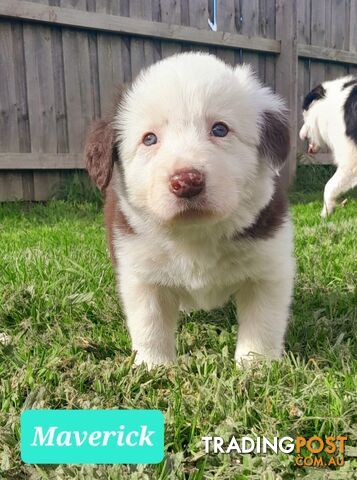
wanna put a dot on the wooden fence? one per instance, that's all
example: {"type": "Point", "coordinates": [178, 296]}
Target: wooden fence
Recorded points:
{"type": "Point", "coordinates": [60, 61]}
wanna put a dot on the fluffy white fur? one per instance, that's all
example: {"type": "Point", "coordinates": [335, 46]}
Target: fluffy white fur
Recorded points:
{"type": "Point", "coordinates": [324, 127]}
{"type": "Point", "coordinates": [183, 255]}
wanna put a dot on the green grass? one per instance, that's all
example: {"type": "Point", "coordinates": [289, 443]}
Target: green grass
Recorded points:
{"type": "Point", "coordinates": [69, 348]}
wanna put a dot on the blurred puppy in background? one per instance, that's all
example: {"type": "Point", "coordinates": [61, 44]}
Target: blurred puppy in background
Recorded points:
{"type": "Point", "coordinates": [194, 209]}
{"type": "Point", "coordinates": [330, 123]}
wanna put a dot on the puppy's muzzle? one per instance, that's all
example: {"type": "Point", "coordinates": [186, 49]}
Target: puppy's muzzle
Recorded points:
{"type": "Point", "coordinates": [187, 183]}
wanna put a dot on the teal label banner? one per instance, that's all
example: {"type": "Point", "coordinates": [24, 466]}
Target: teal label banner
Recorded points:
{"type": "Point", "coordinates": [92, 436]}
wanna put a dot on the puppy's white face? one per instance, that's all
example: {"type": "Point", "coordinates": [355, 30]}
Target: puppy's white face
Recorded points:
{"type": "Point", "coordinates": [321, 104]}
{"type": "Point", "coordinates": [310, 130]}
{"type": "Point", "coordinates": [189, 135]}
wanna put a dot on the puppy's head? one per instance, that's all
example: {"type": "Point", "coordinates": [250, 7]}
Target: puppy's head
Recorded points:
{"type": "Point", "coordinates": [310, 131]}
{"type": "Point", "coordinates": [194, 135]}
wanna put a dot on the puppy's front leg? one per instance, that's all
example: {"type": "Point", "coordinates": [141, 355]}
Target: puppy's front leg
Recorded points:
{"type": "Point", "coordinates": [152, 313]}
{"type": "Point", "coordinates": [263, 311]}
{"type": "Point", "coordinates": [342, 181]}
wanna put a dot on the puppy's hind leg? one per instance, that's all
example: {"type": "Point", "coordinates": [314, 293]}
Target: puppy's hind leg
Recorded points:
{"type": "Point", "coordinates": [152, 313]}
{"type": "Point", "coordinates": [342, 181]}
{"type": "Point", "coordinates": [263, 311]}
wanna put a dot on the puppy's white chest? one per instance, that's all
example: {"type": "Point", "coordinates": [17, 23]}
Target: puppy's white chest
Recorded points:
{"type": "Point", "coordinates": [204, 276]}
{"type": "Point", "coordinates": [205, 298]}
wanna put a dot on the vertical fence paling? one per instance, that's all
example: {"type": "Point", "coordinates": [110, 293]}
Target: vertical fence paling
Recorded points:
{"type": "Point", "coordinates": [286, 73]}
{"type": "Point", "coordinates": [59, 65]}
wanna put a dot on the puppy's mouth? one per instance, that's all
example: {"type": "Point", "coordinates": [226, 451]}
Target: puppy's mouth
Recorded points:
{"type": "Point", "coordinates": [193, 210]}
{"type": "Point", "coordinates": [312, 148]}
{"type": "Point", "coordinates": [193, 214]}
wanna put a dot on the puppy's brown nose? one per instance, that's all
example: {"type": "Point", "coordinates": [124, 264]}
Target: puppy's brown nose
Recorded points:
{"type": "Point", "coordinates": [187, 183]}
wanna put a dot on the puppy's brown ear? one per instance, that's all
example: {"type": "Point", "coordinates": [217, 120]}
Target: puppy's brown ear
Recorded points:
{"type": "Point", "coordinates": [274, 138]}
{"type": "Point", "coordinates": [100, 153]}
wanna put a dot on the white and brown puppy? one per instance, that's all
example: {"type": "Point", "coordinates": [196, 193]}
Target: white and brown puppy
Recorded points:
{"type": "Point", "coordinates": [194, 210]}
{"type": "Point", "coordinates": [330, 123]}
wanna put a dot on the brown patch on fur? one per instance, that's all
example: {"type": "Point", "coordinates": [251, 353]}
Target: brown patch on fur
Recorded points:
{"type": "Point", "coordinates": [100, 151]}
{"type": "Point", "coordinates": [274, 138]}
{"type": "Point", "coordinates": [271, 218]}
{"type": "Point", "coordinates": [114, 218]}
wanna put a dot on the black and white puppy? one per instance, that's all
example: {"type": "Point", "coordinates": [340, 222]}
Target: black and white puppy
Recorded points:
{"type": "Point", "coordinates": [330, 122]}
{"type": "Point", "coordinates": [194, 210]}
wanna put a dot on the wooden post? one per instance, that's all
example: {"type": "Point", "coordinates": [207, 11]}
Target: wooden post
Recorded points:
{"type": "Point", "coordinates": [286, 73]}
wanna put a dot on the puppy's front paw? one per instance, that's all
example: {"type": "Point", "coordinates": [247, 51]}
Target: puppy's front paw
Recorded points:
{"type": "Point", "coordinates": [245, 361]}
{"type": "Point", "coordinates": [327, 210]}
{"type": "Point", "coordinates": [246, 357]}
{"type": "Point", "coordinates": [324, 212]}
{"type": "Point", "coordinates": [153, 359]}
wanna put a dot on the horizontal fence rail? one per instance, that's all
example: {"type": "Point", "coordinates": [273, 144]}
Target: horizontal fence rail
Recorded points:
{"type": "Point", "coordinates": [316, 159]}
{"type": "Point", "coordinates": [327, 54]}
{"type": "Point", "coordinates": [41, 161]}
{"type": "Point", "coordinates": [22, 10]}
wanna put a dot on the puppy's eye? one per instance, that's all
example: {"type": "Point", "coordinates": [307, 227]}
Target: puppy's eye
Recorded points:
{"type": "Point", "coordinates": [149, 139]}
{"type": "Point", "coordinates": [219, 129]}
